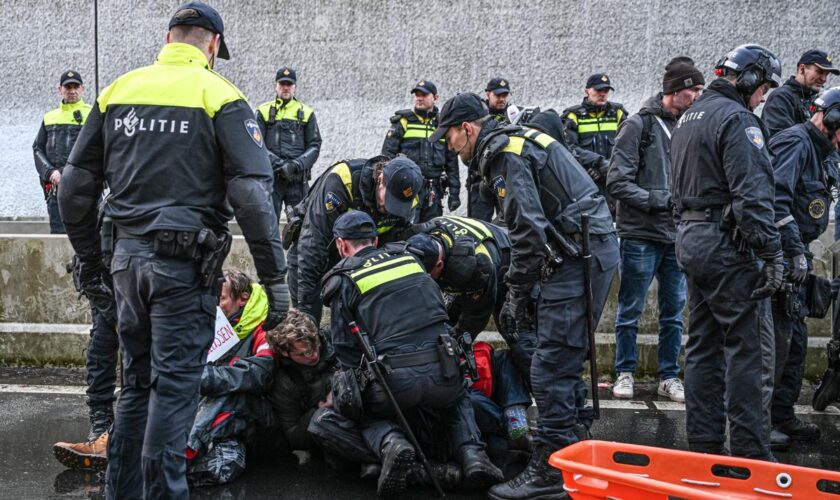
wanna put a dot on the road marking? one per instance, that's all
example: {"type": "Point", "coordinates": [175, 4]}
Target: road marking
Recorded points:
{"type": "Point", "coordinates": [42, 389]}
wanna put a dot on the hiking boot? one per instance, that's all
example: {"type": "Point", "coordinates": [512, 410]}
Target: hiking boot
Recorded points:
{"type": "Point", "coordinates": [101, 418]}
{"type": "Point", "coordinates": [539, 480]}
{"type": "Point", "coordinates": [448, 475]}
{"type": "Point", "coordinates": [672, 389]}
{"type": "Point", "coordinates": [478, 470]}
{"type": "Point", "coordinates": [799, 430]}
{"type": "Point", "coordinates": [88, 455]}
{"type": "Point", "coordinates": [398, 458]}
{"type": "Point", "coordinates": [779, 441]}
{"type": "Point", "coordinates": [623, 388]}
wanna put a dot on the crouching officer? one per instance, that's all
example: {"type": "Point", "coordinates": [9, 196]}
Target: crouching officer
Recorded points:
{"type": "Point", "coordinates": [410, 129]}
{"type": "Point", "coordinates": [803, 195]}
{"type": "Point", "coordinates": [293, 139]}
{"type": "Point", "coordinates": [546, 268]}
{"type": "Point", "coordinates": [59, 130]}
{"type": "Point", "coordinates": [400, 308]}
{"type": "Point", "coordinates": [729, 249]}
{"type": "Point", "coordinates": [170, 236]}
{"type": "Point", "coordinates": [386, 190]}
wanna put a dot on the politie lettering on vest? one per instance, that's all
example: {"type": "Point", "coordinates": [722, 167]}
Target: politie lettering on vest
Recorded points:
{"type": "Point", "coordinates": [131, 124]}
{"type": "Point", "coordinates": [690, 117]}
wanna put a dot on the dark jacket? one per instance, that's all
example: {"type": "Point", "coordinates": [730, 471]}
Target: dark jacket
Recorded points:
{"type": "Point", "coordinates": [56, 137]}
{"type": "Point", "coordinates": [803, 186]}
{"type": "Point", "coordinates": [787, 105]}
{"type": "Point", "coordinates": [297, 391]}
{"type": "Point", "coordinates": [291, 134]}
{"type": "Point", "coordinates": [719, 157]}
{"type": "Point", "coordinates": [593, 128]}
{"type": "Point", "coordinates": [549, 122]}
{"type": "Point", "coordinates": [640, 174]}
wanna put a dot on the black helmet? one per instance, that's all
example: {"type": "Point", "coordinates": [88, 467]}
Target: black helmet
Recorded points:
{"type": "Point", "coordinates": [829, 104]}
{"type": "Point", "coordinates": [754, 66]}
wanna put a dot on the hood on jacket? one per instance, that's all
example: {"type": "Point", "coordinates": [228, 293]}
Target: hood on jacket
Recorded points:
{"type": "Point", "coordinates": [254, 312]}
{"type": "Point", "coordinates": [653, 106]}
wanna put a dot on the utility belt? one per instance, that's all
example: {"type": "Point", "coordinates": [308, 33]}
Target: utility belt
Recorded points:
{"type": "Point", "coordinates": [711, 214]}
{"type": "Point", "coordinates": [725, 218]}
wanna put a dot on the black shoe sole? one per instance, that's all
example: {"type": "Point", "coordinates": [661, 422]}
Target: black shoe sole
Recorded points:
{"type": "Point", "coordinates": [482, 479]}
{"type": "Point", "coordinates": [779, 447]}
{"type": "Point", "coordinates": [394, 483]}
{"type": "Point", "coordinates": [74, 460]}
{"type": "Point", "coordinates": [548, 496]}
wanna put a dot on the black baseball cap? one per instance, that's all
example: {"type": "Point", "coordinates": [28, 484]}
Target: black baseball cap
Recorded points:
{"type": "Point", "coordinates": [819, 59]}
{"type": "Point", "coordinates": [498, 86]}
{"type": "Point", "coordinates": [70, 76]}
{"type": "Point", "coordinates": [426, 87]}
{"type": "Point", "coordinates": [286, 74]}
{"type": "Point", "coordinates": [466, 107]}
{"type": "Point", "coordinates": [354, 225]}
{"type": "Point", "coordinates": [428, 246]}
{"type": "Point", "coordinates": [202, 15]}
{"type": "Point", "coordinates": [403, 181]}
{"type": "Point", "coordinates": [599, 81]}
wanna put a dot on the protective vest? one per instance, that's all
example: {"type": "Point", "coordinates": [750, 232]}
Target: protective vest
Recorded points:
{"type": "Point", "coordinates": [566, 190]}
{"type": "Point", "coordinates": [284, 127]}
{"type": "Point", "coordinates": [62, 126]}
{"type": "Point", "coordinates": [396, 297]}
{"type": "Point", "coordinates": [451, 227]}
{"type": "Point", "coordinates": [596, 129]}
{"type": "Point", "coordinates": [414, 143]}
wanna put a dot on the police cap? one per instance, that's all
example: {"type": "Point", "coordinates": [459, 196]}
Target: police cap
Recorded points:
{"type": "Point", "coordinates": [819, 59]}
{"type": "Point", "coordinates": [403, 181]}
{"type": "Point", "coordinates": [70, 76]}
{"type": "Point", "coordinates": [426, 87]}
{"type": "Point", "coordinates": [599, 81]}
{"type": "Point", "coordinates": [202, 15]}
{"type": "Point", "coordinates": [428, 246]}
{"type": "Point", "coordinates": [286, 75]}
{"type": "Point", "coordinates": [498, 86]}
{"type": "Point", "coordinates": [354, 225]}
{"type": "Point", "coordinates": [466, 107]}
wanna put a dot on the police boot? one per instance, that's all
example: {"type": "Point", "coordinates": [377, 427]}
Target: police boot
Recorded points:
{"type": "Point", "coordinates": [88, 455]}
{"type": "Point", "coordinates": [799, 430]}
{"type": "Point", "coordinates": [779, 441]}
{"type": "Point", "coordinates": [101, 418]}
{"type": "Point", "coordinates": [539, 480]}
{"type": "Point", "coordinates": [448, 475]}
{"type": "Point", "coordinates": [478, 470]}
{"type": "Point", "coordinates": [398, 458]}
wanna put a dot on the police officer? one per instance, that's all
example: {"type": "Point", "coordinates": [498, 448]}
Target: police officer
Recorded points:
{"type": "Point", "coordinates": [592, 125]}
{"type": "Point", "coordinates": [410, 129]}
{"type": "Point", "coordinates": [542, 276]}
{"type": "Point", "coordinates": [385, 190]}
{"type": "Point", "coordinates": [390, 296]}
{"type": "Point", "coordinates": [497, 97]}
{"type": "Point", "coordinates": [729, 250]}
{"type": "Point", "coordinates": [59, 130]}
{"type": "Point", "coordinates": [170, 206]}
{"type": "Point", "coordinates": [293, 140]}
{"type": "Point", "coordinates": [791, 103]}
{"type": "Point", "coordinates": [803, 195]}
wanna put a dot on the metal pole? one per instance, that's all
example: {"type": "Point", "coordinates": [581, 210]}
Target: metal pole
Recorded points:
{"type": "Point", "coordinates": [590, 315]}
{"type": "Point", "coordinates": [96, 47]}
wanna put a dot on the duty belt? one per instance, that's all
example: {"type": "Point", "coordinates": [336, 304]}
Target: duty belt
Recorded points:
{"type": "Point", "coordinates": [122, 234]}
{"type": "Point", "coordinates": [416, 358]}
{"type": "Point", "coordinates": [711, 214]}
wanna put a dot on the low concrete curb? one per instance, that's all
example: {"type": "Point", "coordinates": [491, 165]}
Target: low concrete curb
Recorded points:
{"type": "Point", "coordinates": [40, 344]}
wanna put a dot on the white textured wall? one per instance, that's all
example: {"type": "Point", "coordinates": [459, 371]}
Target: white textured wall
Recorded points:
{"type": "Point", "coordinates": [357, 60]}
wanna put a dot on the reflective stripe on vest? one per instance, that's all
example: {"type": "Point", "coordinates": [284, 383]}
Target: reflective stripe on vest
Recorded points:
{"type": "Point", "coordinates": [462, 225]}
{"type": "Point", "coordinates": [64, 115]}
{"type": "Point", "coordinates": [417, 130]}
{"type": "Point", "coordinates": [369, 278]}
{"type": "Point", "coordinates": [291, 111]}
{"type": "Point", "coordinates": [517, 142]}
{"type": "Point", "coordinates": [342, 170]}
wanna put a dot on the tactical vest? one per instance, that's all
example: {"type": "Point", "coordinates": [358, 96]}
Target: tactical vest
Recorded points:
{"type": "Point", "coordinates": [566, 190]}
{"type": "Point", "coordinates": [396, 297]}
{"type": "Point", "coordinates": [284, 127]}
{"type": "Point", "coordinates": [63, 125]}
{"type": "Point", "coordinates": [597, 129]}
{"type": "Point", "coordinates": [430, 157]}
{"type": "Point", "coordinates": [451, 227]}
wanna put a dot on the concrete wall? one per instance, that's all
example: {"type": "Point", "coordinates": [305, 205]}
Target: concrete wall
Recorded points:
{"type": "Point", "coordinates": [357, 60]}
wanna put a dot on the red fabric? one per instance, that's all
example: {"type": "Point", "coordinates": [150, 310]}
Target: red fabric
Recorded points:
{"type": "Point", "coordinates": [221, 417]}
{"type": "Point", "coordinates": [484, 362]}
{"type": "Point", "coordinates": [260, 346]}
{"type": "Point", "coordinates": [191, 453]}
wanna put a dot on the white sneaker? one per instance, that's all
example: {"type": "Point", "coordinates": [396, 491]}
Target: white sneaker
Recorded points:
{"type": "Point", "coordinates": [623, 388]}
{"type": "Point", "coordinates": [673, 389]}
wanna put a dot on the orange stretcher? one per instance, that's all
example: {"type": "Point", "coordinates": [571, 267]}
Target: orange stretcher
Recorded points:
{"type": "Point", "coordinates": [607, 470]}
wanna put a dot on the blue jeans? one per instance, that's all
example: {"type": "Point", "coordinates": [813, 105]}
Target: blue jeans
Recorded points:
{"type": "Point", "coordinates": [640, 262]}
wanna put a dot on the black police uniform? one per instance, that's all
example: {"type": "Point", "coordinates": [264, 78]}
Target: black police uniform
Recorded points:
{"type": "Point", "coordinates": [593, 128]}
{"type": "Point", "coordinates": [292, 136]}
{"type": "Point", "coordinates": [720, 160]}
{"type": "Point", "coordinates": [408, 135]}
{"type": "Point", "coordinates": [56, 137]}
{"type": "Point", "coordinates": [802, 198]}
{"type": "Point", "coordinates": [347, 185]}
{"type": "Point", "coordinates": [391, 297]}
{"type": "Point", "coordinates": [788, 105]}
{"type": "Point", "coordinates": [178, 161]}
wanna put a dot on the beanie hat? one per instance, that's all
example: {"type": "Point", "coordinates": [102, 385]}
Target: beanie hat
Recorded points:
{"type": "Point", "coordinates": [680, 74]}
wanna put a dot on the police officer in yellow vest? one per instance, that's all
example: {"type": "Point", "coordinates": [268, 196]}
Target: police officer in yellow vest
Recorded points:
{"type": "Point", "coordinates": [170, 205]}
{"type": "Point", "coordinates": [59, 130]}
{"type": "Point", "coordinates": [293, 140]}
{"type": "Point", "coordinates": [410, 129]}
{"type": "Point", "coordinates": [592, 126]}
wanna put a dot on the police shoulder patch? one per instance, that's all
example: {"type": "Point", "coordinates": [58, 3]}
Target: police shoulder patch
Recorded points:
{"type": "Point", "coordinates": [755, 136]}
{"type": "Point", "coordinates": [816, 209]}
{"type": "Point", "coordinates": [254, 131]}
{"type": "Point", "coordinates": [332, 202]}
{"type": "Point", "coordinates": [499, 186]}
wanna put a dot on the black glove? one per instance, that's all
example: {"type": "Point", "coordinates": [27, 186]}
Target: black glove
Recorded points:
{"type": "Point", "coordinates": [454, 201]}
{"type": "Point", "coordinates": [278, 303]}
{"type": "Point", "coordinates": [772, 273]}
{"type": "Point", "coordinates": [95, 284]}
{"type": "Point", "coordinates": [594, 173]}
{"type": "Point", "coordinates": [289, 170]}
{"type": "Point", "coordinates": [516, 311]}
{"type": "Point", "coordinates": [798, 269]}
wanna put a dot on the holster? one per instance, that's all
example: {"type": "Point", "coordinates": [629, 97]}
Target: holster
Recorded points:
{"type": "Point", "coordinates": [214, 249]}
{"type": "Point", "coordinates": [294, 222]}
{"type": "Point", "coordinates": [347, 394]}
{"type": "Point", "coordinates": [447, 353]}
{"type": "Point", "coordinates": [176, 244]}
